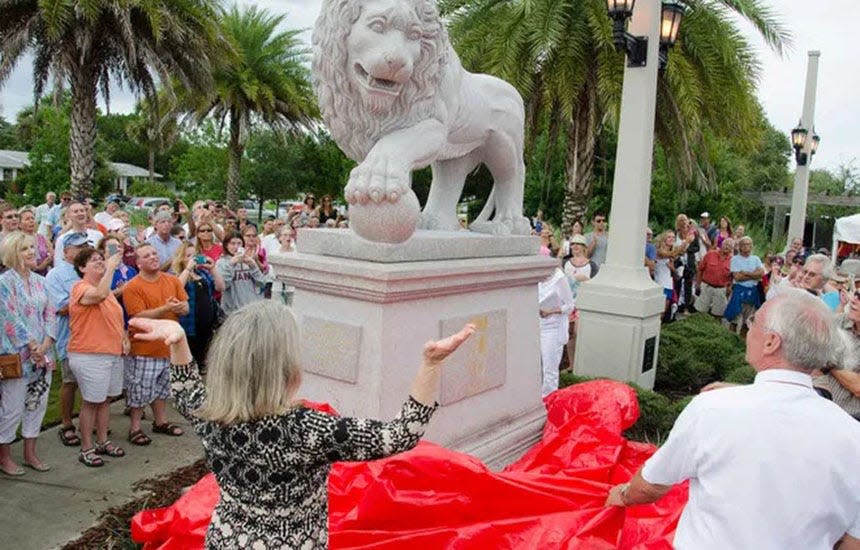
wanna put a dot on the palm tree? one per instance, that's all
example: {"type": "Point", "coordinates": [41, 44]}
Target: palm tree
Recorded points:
{"type": "Point", "coordinates": [560, 55]}
{"type": "Point", "coordinates": [156, 126]}
{"type": "Point", "coordinates": [269, 80]}
{"type": "Point", "coordinates": [91, 42]}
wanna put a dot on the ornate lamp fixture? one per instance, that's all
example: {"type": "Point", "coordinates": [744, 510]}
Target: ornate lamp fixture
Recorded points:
{"type": "Point", "coordinates": [636, 47]}
{"type": "Point", "coordinates": [670, 23]}
{"type": "Point", "coordinates": [799, 136]}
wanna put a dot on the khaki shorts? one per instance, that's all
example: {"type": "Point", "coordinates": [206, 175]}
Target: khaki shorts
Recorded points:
{"type": "Point", "coordinates": [712, 300]}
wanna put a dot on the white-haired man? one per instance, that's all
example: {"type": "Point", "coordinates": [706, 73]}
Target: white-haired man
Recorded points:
{"type": "Point", "coordinates": [772, 464]}
{"type": "Point", "coordinates": [164, 243]}
{"type": "Point", "coordinates": [47, 215]}
{"type": "Point", "coordinates": [816, 272]}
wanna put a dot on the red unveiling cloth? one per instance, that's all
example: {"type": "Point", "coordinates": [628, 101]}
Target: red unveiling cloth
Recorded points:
{"type": "Point", "coordinates": [432, 497]}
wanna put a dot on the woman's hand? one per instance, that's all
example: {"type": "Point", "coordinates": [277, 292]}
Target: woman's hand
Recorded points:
{"type": "Point", "coordinates": [438, 351]}
{"type": "Point", "coordinates": [170, 332]}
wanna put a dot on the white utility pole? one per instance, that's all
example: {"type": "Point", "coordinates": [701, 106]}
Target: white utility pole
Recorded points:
{"type": "Point", "coordinates": [797, 223]}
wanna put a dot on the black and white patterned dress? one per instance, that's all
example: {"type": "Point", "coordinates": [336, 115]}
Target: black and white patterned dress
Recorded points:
{"type": "Point", "coordinates": [273, 472]}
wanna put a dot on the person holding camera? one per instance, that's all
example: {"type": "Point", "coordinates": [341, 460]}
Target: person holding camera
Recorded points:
{"type": "Point", "coordinates": [270, 454]}
{"type": "Point", "coordinates": [97, 344]}
{"type": "Point", "coordinates": [242, 276]}
{"type": "Point", "coordinates": [202, 281]}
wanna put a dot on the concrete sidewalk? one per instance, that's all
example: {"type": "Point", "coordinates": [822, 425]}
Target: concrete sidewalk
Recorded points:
{"type": "Point", "coordinates": [46, 510]}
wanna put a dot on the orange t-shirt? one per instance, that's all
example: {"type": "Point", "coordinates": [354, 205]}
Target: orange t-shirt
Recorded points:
{"type": "Point", "coordinates": [97, 328]}
{"type": "Point", "coordinates": [141, 295]}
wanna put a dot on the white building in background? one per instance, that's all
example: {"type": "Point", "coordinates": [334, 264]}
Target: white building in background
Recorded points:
{"type": "Point", "coordinates": [12, 163]}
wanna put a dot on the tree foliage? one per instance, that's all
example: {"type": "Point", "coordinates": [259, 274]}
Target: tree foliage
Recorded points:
{"type": "Point", "coordinates": [560, 56]}
{"type": "Point", "coordinates": [266, 81]}
{"type": "Point", "coordinates": [91, 43]}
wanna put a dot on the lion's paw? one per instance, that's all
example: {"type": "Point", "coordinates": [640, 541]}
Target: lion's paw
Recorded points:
{"type": "Point", "coordinates": [377, 179]}
{"type": "Point", "coordinates": [434, 222]}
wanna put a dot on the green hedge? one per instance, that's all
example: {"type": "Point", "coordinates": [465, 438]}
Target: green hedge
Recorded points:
{"type": "Point", "coordinates": [697, 351]}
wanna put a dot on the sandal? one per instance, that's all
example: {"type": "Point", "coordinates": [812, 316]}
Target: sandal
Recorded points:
{"type": "Point", "coordinates": [68, 437]}
{"type": "Point", "coordinates": [40, 467]}
{"type": "Point", "coordinates": [109, 449]}
{"type": "Point", "coordinates": [90, 459]}
{"type": "Point", "coordinates": [138, 438]}
{"type": "Point", "coordinates": [167, 428]}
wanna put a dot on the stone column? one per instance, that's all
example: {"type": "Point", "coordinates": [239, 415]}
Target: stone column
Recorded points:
{"type": "Point", "coordinates": [366, 309]}
{"type": "Point", "coordinates": [619, 322]}
{"type": "Point", "coordinates": [797, 223]}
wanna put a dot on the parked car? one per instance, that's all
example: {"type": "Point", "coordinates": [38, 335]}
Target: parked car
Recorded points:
{"type": "Point", "coordinates": [147, 203]}
{"type": "Point", "coordinates": [122, 200]}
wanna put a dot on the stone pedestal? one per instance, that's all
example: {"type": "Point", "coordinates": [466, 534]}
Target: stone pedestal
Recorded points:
{"type": "Point", "coordinates": [364, 324]}
{"type": "Point", "coordinates": [619, 326]}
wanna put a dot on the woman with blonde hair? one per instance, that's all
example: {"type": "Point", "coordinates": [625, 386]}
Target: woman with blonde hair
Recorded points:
{"type": "Point", "coordinates": [202, 281]}
{"type": "Point", "coordinates": [29, 330]}
{"type": "Point", "coordinates": [270, 455]}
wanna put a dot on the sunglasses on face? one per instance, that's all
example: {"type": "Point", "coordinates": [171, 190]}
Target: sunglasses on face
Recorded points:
{"type": "Point", "coordinates": [204, 231]}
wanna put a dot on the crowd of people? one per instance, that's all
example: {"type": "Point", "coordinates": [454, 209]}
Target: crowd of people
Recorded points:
{"type": "Point", "coordinates": [702, 267]}
{"type": "Point", "coordinates": [72, 278]}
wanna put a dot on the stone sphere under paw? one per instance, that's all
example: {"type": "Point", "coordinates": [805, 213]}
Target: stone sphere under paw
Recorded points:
{"type": "Point", "coordinates": [386, 222]}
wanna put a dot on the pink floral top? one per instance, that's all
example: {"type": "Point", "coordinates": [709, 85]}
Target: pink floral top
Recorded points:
{"type": "Point", "coordinates": [27, 315]}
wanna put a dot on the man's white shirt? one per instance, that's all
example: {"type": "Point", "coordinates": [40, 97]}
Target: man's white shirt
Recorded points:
{"type": "Point", "coordinates": [771, 465]}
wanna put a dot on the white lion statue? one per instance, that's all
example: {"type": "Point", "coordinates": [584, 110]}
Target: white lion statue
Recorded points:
{"type": "Point", "coordinates": [395, 97]}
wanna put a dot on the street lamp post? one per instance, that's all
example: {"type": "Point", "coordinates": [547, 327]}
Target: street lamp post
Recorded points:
{"type": "Point", "coordinates": [805, 141]}
{"type": "Point", "coordinates": [620, 308]}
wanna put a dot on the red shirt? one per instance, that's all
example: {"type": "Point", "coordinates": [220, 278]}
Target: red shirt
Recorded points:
{"type": "Point", "coordinates": [715, 269]}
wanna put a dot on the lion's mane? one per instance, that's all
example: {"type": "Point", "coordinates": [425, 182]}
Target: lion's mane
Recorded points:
{"type": "Point", "coordinates": [352, 126]}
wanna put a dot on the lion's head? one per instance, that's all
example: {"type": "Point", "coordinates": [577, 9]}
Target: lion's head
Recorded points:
{"type": "Point", "coordinates": [377, 65]}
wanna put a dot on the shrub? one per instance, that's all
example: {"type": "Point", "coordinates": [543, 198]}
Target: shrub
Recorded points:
{"type": "Point", "coordinates": [695, 352]}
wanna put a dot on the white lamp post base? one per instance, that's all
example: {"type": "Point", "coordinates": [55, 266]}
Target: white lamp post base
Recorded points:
{"type": "Point", "coordinates": [619, 326]}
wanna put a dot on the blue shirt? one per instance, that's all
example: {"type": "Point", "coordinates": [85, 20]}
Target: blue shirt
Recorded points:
{"type": "Point", "coordinates": [748, 264]}
{"type": "Point", "coordinates": [651, 252]}
{"type": "Point", "coordinates": [831, 299]}
{"type": "Point", "coordinates": [166, 249]}
{"type": "Point", "coordinates": [60, 280]}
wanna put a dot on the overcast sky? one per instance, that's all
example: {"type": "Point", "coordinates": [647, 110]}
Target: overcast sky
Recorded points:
{"type": "Point", "coordinates": [825, 26]}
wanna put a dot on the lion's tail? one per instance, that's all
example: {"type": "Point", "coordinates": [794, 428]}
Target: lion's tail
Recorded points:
{"type": "Point", "coordinates": [489, 206]}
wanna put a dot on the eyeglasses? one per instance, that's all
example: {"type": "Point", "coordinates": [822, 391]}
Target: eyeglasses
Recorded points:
{"type": "Point", "coordinates": [204, 231]}
{"type": "Point", "coordinates": [750, 321]}
{"type": "Point", "coordinates": [806, 272]}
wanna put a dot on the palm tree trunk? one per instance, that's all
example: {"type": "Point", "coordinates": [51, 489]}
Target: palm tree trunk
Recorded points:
{"type": "Point", "coordinates": [237, 149]}
{"type": "Point", "coordinates": [82, 138]}
{"type": "Point", "coordinates": [579, 163]}
{"type": "Point", "coordinates": [151, 163]}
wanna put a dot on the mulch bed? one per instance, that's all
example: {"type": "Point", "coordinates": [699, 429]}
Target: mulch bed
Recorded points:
{"type": "Point", "coordinates": [113, 529]}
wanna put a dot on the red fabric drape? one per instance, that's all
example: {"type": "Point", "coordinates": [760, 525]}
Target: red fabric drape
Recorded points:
{"type": "Point", "coordinates": [432, 497]}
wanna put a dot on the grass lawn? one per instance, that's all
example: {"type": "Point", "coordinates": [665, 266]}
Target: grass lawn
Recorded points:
{"type": "Point", "coordinates": [52, 415]}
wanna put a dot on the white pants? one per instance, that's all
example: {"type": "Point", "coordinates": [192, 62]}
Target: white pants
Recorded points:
{"type": "Point", "coordinates": [12, 412]}
{"type": "Point", "coordinates": [551, 349]}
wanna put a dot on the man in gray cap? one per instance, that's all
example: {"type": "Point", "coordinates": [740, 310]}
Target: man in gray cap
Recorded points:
{"type": "Point", "coordinates": [60, 281]}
